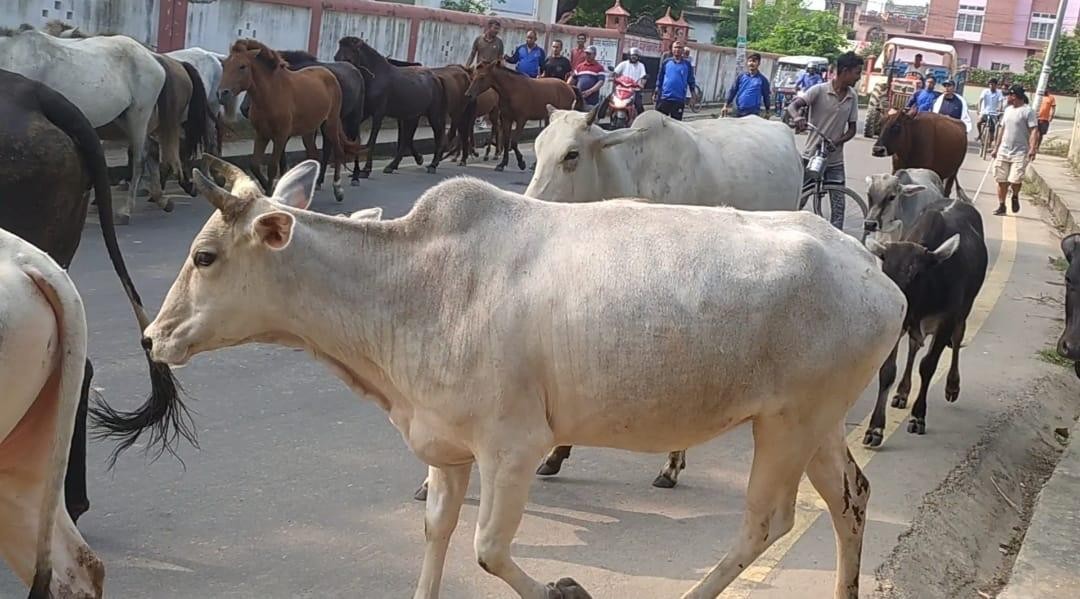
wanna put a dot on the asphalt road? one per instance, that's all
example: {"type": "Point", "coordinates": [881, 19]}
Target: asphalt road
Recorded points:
{"type": "Point", "coordinates": [301, 489]}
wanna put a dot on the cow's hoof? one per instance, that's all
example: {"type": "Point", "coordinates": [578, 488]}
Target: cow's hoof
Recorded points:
{"type": "Point", "coordinates": [873, 437]}
{"type": "Point", "coordinates": [431, 170]}
{"type": "Point", "coordinates": [951, 395]}
{"type": "Point", "coordinates": [664, 481]}
{"type": "Point", "coordinates": [168, 207]}
{"type": "Point", "coordinates": [122, 219]}
{"type": "Point", "coordinates": [499, 168]}
{"type": "Point", "coordinates": [549, 468]}
{"type": "Point", "coordinates": [362, 174]}
{"type": "Point", "coordinates": [899, 401]}
{"type": "Point", "coordinates": [388, 170]}
{"type": "Point", "coordinates": [566, 588]}
{"type": "Point", "coordinates": [917, 426]}
{"type": "Point", "coordinates": [421, 493]}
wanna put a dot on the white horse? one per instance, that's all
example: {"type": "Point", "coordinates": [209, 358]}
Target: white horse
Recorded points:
{"type": "Point", "coordinates": [208, 64]}
{"type": "Point", "coordinates": [111, 79]}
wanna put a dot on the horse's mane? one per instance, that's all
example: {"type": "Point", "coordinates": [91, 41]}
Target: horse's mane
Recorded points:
{"type": "Point", "coordinates": [297, 57]}
{"type": "Point", "coordinates": [267, 55]}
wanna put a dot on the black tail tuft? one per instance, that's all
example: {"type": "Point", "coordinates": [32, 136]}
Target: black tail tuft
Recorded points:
{"type": "Point", "coordinates": [40, 587]}
{"type": "Point", "coordinates": [163, 416]}
{"type": "Point", "coordinates": [579, 100]}
{"type": "Point", "coordinates": [196, 127]}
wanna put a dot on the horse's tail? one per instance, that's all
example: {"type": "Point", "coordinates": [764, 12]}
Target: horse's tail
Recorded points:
{"type": "Point", "coordinates": [196, 129]}
{"type": "Point", "coordinates": [164, 406]}
{"type": "Point", "coordinates": [579, 100]}
{"type": "Point", "coordinates": [335, 130]}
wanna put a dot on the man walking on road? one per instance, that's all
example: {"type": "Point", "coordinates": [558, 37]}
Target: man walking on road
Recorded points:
{"type": "Point", "coordinates": [1047, 110]}
{"type": "Point", "coordinates": [676, 76]}
{"type": "Point", "coordinates": [487, 47]}
{"type": "Point", "coordinates": [834, 112]}
{"type": "Point", "coordinates": [750, 91]}
{"type": "Point", "coordinates": [1017, 143]}
{"type": "Point", "coordinates": [528, 56]}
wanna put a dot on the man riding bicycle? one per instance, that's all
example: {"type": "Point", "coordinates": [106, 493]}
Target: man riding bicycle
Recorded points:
{"type": "Point", "coordinates": [834, 112]}
{"type": "Point", "coordinates": [991, 103]}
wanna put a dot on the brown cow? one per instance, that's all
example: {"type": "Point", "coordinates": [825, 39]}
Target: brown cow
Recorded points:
{"type": "Point", "coordinates": [925, 140]}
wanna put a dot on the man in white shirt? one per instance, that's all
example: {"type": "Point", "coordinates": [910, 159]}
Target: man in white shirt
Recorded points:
{"type": "Point", "coordinates": [633, 68]}
{"type": "Point", "coordinates": [991, 103]}
{"type": "Point", "coordinates": [1017, 142]}
{"type": "Point", "coordinates": [951, 104]}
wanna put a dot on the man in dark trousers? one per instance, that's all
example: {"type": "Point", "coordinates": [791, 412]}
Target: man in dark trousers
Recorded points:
{"type": "Point", "coordinates": [750, 91]}
{"type": "Point", "coordinates": [675, 78]}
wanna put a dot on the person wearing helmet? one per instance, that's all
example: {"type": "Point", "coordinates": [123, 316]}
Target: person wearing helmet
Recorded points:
{"type": "Point", "coordinates": [633, 68]}
{"type": "Point", "coordinates": [808, 79]}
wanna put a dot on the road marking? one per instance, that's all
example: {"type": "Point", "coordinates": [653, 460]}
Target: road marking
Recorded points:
{"type": "Point", "coordinates": [808, 504]}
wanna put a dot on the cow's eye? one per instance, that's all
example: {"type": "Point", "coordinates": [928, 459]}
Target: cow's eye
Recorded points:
{"type": "Point", "coordinates": [571, 155]}
{"type": "Point", "coordinates": [204, 258]}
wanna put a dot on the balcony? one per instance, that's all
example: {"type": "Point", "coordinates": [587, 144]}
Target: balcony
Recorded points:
{"type": "Point", "coordinates": [893, 24]}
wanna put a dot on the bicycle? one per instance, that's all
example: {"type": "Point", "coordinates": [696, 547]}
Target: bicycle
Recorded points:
{"type": "Point", "coordinates": [987, 145]}
{"type": "Point", "coordinates": [816, 188]}
{"type": "Point", "coordinates": [696, 96]}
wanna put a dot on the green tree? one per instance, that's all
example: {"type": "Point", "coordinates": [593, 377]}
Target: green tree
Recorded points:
{"type": "Point", "coordinates": [479, 7]}
{"type": "Point", "coordinates": [591, 12]}
{"type": "Point", "coordinates": [1064, 68]}
{"type": "Point", "coordinates": [816, 33]}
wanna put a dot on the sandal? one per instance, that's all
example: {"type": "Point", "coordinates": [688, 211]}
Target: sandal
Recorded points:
{"type": "Point", "coordinates": [1016, 204]}
{"type": "Point", "coordinates": [1000, 210]}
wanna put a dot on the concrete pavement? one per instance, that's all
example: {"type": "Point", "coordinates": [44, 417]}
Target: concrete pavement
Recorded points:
{"type": "Point", "coordinates": [302, 489]}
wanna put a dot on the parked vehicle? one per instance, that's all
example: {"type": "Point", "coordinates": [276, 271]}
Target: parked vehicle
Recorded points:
{"type": "Point", "coordinates": [893, 81]}
{"type": "Point", "coordinates": [788, 70]}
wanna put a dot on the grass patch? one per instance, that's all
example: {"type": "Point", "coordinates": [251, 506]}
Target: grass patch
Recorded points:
{"type": "Point", "coordinates": [1055, 147]}
{"type": "Point", "coordinates": [1050, 356]}
{"type": "Point", "coordinates": [1059, 264]}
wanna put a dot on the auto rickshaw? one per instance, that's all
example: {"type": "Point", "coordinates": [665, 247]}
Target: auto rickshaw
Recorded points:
{"type": "Point", "coordinates": [788, 70]}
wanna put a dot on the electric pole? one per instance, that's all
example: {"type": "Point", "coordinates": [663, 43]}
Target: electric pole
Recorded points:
{"type": "Point", "coordinates": [1051, 46]}
{"type": "Point", "coordinates": [740, 41]}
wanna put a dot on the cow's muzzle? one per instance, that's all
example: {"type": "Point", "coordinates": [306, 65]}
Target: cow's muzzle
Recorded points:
{"type": "Point", "coordinates": [871, 226]}
{"type": "Point", "coordinates": [879, 151]}
{"type": "Point", "coordinates": [1068, 348]}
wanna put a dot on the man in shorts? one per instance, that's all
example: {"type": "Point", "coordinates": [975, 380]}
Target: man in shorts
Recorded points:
{"type": "Point", "coordinates": [1018, 139]}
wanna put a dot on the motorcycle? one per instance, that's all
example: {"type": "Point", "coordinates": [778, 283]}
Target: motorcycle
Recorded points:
{"type": "Point", "coordinates": [621, 110]}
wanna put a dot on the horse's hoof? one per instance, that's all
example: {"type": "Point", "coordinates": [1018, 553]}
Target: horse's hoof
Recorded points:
{"type": "Point", "coordinates": [362, 174]}
{"type": "Point", "coordinates": [354, 182]}
{"type": "Point", "coordinates": [499, 168]}
{"type": "Point", "coordinates": [419, 158]}
{"type": "Point", "coordinates": [168, 207]}
{"type": "Point", "coordinates": [566, 588]}
{"type": "Point", "coordinates": [431, 170]}
{"type": "Point", "coordinates": [143, 193]}
{"type": "Point", "coordinates": [122, 219]}
{"type": "Point", "coordinates": [485, 158]}
{"type": "Point", "coordinates": [873, 438]}
{"type": "Point", "coordinates": [189, 188]}
{"type": "Point", "coordinates": [421, 493]}
{"type": "Point", "coordinates": [123, 185]}
{"type": "Point", "coordinates": [664, 481]}
{"type": "Point", "coordinates": [462, 163]}
{"type": "Point", "coordinates": [917, 426]}
{"type": "Point", "coordinates": [521, 165]}
{"type": "Point", "coordinates": [318, 186]}
{"type": "Point", "coordinates": [388, 170]}
{"type": "Point", "coordinates": [549, 468]}
{"type": "Point", "coordinates": [899, 401]}
{"type": "Point", "coordinates": [951, 395]}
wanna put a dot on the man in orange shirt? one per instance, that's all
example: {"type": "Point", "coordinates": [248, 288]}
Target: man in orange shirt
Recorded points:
{"type": "Point", "coordinates": [1047, 110]}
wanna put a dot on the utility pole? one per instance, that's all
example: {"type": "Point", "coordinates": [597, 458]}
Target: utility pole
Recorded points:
{"type": "Point", "coordinates": [740, 41]}
{"type": "Point", "coordinates": [1044, 76]}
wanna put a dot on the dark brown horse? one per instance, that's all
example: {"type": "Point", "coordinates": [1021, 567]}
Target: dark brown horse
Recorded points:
{"type": "Point", "coordinates": [52, 157]}
{"type": "Point", "coordinates": [285, 103]}
{"type": "Point", "coordinates": [521, 99]}
{"type": "Point", "coordinates": [402, 93]}
{"type": "Point", "coordinates": [462, 138]}
{"type": "Point", "coordinates": [925, 140]}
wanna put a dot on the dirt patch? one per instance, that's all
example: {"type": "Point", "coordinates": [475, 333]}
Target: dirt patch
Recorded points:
{"type": "Point", "coordinates": [966, 534]}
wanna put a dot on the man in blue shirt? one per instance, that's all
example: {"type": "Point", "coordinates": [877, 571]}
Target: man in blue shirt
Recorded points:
{"type": "Point", "coordinates": [676, 76]}
{"type": "Point", "coordinates": [750, 91]}
{"type": "Point", "coordinates": [808, 79]}
{"type": "Point", "coordinates": [923, 99]}
{"type": "Point", "coordinates": [528, 57]}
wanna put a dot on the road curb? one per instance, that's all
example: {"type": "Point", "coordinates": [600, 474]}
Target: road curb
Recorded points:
{"type": "Point", "coordinates": [1066, 216]}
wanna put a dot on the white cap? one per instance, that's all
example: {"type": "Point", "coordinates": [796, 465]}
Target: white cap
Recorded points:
{"type": "Point", "coordinates": [590, 49]}
{"type": "Point", "coordinates": [635, 52]}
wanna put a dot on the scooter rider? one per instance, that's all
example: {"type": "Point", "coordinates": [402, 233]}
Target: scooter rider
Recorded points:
{"type": "Point", "coordinates": [633, 68]}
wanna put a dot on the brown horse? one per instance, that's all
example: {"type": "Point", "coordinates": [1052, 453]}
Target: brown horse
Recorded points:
{"type": "Point", "coordinates": [462, 112]}
{"type": "Point", "coordinates": [521, 99]}
{"type": "Point", "coordinates": [285, 103]}
{"type": "Point", "coordinates": [925, 140]}
{"type": "Point", "coordinates": [485, 105]}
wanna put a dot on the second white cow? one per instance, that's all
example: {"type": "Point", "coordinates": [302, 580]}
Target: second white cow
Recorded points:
{"type": "Point", "coordinates": [491, 327]}
{"type": "Point", "coordinates": [748, 163]}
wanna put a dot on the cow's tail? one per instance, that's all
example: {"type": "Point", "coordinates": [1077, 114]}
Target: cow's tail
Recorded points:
{"type": "Point", "coordinates": [960, 193]}
{"type": "Point", "coordinates": [164, 407]}
{"type": "Point", "coordinates": [67, 305]}
{"type": "Point", "coordinates": [196, 129]}
{"type": "Point", "coordinates": [579, 100]}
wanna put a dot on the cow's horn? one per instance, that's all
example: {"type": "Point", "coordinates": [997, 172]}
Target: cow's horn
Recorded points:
{"type": "Point", "coordinates": [237, 182]}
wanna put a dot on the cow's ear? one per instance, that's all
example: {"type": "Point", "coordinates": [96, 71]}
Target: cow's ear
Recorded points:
{"type": "Point", "coordinates": [1069, 245]}
{"type": "Point", "coordinates": [297, 187]}
{"type": "Point", "coordinates": [910, 190]}
{"type": "Point", "coordinates": [876, 247]}
{"type": "Point", "coordinates": [947, 249]}
{"type": "Point", "coordinates": [619, 136]}
{"type": "Point", "coordinates": [367, 214]}
{"type": "Point", "coordinates": [274, 229]}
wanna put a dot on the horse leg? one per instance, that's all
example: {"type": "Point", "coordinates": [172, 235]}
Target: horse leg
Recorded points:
{"type": "Point", "coordinates": [75, 498]}
{"type": "Point", "coordinates": [155, 173]}
{"type": "Point", "coordinates": [504, 142]}
{"type": "Point", "coordinates": [275, 158]}
{"type": "Point", "coordinates": [438, 126]}
{"type": "Point", "coordinates": [136, 123]}
{"type": "Point", "coordinates": [257, 152]}
{"type": "Point", "coordinates": [373, 137]}
{"type": "Point", "coordinates": [313, 153]}
{"type": "Point", "coordinates": [514, 143]}
{"type": "Point", "coordinates": [352, 131]}
{"type": "Point", "coordinates": [406, 129]}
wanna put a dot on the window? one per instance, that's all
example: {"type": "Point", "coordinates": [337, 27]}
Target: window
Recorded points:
{"type": "Point", "coordinates": [999, 66]}
{"type": "Point", "coordinates": [970, 18]}
{"type": "Point", "coordinates": [848, 19]}
{"type": "Point", "coordinates": [1042, 26]}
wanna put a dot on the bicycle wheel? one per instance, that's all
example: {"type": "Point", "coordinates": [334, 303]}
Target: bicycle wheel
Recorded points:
{"type": "Point", "coordinates": [854, 206]}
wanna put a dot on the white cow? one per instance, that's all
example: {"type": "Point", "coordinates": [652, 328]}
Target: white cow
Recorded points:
{"type": "Point", "coordinates": [747, 163]}
{"type": "Point", "coordinates": [42, 360]}
{"type": "Point", "coordinates": [491, 327]}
